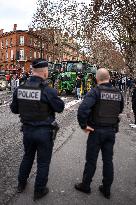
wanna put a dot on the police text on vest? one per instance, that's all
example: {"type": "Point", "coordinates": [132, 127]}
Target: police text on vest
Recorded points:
{"type": "Point", "coordinates": [110, 96]}
{"type": "Point", "coordinates": [29, 94]}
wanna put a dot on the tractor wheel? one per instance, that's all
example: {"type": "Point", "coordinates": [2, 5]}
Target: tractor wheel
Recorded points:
{"type": "Point", "coordinates": [3, 83]}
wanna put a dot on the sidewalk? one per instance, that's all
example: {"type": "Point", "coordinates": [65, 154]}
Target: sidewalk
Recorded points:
{"type": "Point", "coordinates": [67, 167]}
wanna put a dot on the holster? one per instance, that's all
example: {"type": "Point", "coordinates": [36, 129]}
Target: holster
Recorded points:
{"type": "Point", "coordinates": [55, 130]}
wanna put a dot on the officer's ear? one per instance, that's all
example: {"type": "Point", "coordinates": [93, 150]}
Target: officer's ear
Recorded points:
{"type": "Point", "coordinates": [46, 72]}
{"type": "Point", "coordinates": [97, 80]}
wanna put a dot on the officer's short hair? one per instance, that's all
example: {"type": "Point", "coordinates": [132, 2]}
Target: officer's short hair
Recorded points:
{"type": "Point", "coordinates": [39, 63]}
{"type": "Point", "coordinates": [102, 74]}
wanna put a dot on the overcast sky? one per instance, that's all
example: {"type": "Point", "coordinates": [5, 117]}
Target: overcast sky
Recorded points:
{"type": "Point", "coordinates": [17, 12]}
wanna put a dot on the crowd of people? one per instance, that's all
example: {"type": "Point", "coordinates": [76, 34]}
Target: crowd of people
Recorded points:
{"type": "Point", "coordinates": [123, 82]}
{"type": "Point", "coordinates": [14, 80]}
{"type": "Point", "coordinates": [127, 84]}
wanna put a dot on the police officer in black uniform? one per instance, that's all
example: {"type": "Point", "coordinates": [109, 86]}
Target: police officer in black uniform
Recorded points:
{"type": "Point", "coordinates": [98, 115]}
{"type": "Point", "coordinates": [36, 104]}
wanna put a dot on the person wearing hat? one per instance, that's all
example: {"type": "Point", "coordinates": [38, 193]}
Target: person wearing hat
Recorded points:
{"type": "Point", "coordinates": [36, 103]}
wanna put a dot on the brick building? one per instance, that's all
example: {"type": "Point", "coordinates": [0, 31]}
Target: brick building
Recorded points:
{"type": "Point", "coordinates": [18, 48]}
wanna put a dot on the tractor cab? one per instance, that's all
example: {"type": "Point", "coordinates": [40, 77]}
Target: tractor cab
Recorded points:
{"type": "Point", "coordinates": [74, 66]}
{"type": "Point", "coordinates": [91, 69]}
{"type": "Point", "coordinates": [58, 67]}
{"type": "Point", "coordinates": [66, 80]}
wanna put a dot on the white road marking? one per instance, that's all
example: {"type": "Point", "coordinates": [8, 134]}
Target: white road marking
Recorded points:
{"type": "Point", "coordinates": [71, 103]}
{"type": "Point", "coordinates": [64, 98]}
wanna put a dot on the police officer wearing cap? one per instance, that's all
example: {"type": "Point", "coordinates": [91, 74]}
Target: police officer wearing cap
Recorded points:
{"type": "Point", "coordinates": [98, 116]}
{"type": "Point", "coordinates": [36, 104]}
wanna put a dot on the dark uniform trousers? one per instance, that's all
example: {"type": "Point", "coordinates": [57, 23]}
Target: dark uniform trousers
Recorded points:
{"type": "Point", "coordinates": [101, 139]}
{"type": "Point", "coordinates": [36, 139]}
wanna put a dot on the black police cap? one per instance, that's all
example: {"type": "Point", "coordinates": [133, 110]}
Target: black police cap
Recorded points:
{"type": "Point", "coordinates": [39, 63]}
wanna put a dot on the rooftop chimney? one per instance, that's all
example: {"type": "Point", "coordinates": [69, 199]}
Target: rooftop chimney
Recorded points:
{"type": "Point", "coordinates": [15, 27]}
{"type": "Point", "coordinates": [30, 29]}
{"type": "Point", "coordinates": [1, 31]}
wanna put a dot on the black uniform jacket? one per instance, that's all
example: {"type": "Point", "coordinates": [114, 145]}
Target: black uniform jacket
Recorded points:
{"type": "Point", "coordinates": [49, 96]}
{"type": "Point", "coordinates": [86, 106]}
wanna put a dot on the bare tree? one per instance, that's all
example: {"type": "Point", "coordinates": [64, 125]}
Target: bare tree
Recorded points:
{"type": "Point", "coordinates": [89, 24]}
{"type": "Point", "coordinates": [117, 18]}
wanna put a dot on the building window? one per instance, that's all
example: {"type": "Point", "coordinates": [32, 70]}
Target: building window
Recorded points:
{"type": "Point", "coordinates": [2, 56]}
{"type": "Point", "coordinates": [21, 54]}
{"type": "Point", "coordinates": [35, 54]}
{"type": "Point", "coordinates": [39, 44]}
{"type": "Point", "coordinates": [11, 55]}
{"type": "Point", "coordinates": [2, 44]}
{"type": "Point", "coordinates": [6, 42]}
{"type": "Point", "coordinates": [31, 54]}
{"type": "Point", "coordinates": [31, 41]}
{"type": "Point", "coordinates": [35, 42]}
{"type": "Point", "coordinates": [6, 55]}
{"type": "Point", "coordinates": [21, 40]}
{"type": "Point", "coordinates": [11, 42]}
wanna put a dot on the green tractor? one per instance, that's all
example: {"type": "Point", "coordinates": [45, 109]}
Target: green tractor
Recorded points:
{"type": "Point", "coordinates": [66, 80]}
{"type": "Point", "coordinates": [54, 70]}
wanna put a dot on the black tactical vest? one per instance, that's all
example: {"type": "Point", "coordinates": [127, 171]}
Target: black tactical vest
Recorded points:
{"type": "Point", "coordinates": [107, 108]}
{"type": "Point", "coordinates": [31, 108]}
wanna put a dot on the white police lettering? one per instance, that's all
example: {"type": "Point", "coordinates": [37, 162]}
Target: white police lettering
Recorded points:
{"type": "Point", "coordinates": [110, 96]}
{"type": "Point", "coordinates": [29, 94]}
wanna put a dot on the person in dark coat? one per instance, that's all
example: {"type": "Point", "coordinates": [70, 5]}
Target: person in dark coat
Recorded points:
{"type": "Point", "coordinates": [36, 103]}
{"type": "Point", "coordinates": [98, 115]}
{"type": "Point", "coordinates": [78, 87]}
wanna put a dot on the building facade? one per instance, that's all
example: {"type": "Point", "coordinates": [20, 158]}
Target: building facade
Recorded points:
{"type": "Point", "coordinates": [19, 47]}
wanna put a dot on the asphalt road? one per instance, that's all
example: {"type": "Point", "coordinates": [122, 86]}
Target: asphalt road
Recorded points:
{"type": "Point", "coordinates": [67, 167]}
{"type": "Point", "coordinates": [67, 162]}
